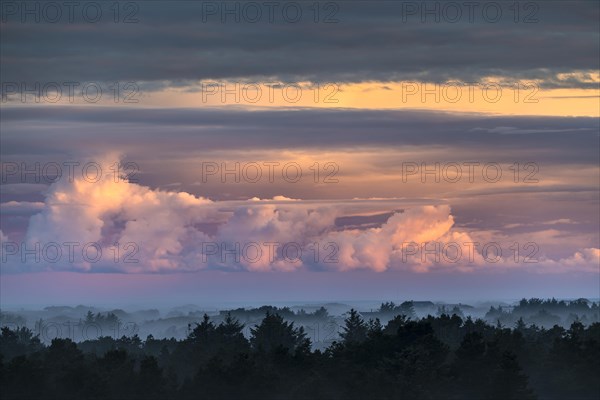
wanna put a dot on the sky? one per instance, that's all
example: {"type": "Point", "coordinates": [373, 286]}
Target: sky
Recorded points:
{"type": "Point", "coordinates": [173, 152]}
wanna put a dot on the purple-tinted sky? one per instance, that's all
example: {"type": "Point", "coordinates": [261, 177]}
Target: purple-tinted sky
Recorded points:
{"type": "Point", "coordinates": [182, 156]}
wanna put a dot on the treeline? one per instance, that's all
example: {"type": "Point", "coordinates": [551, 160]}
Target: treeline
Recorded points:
{"type": "Point", "coordinates": [547, 313]}
{"type": "Point", "coordinates": [321, 324]}
{"type": "Point", "coordinates": [442, 357]}
{"type": "Point", "coordinates": [256, 314]}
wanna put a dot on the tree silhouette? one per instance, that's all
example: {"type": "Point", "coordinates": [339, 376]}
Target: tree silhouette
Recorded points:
{"type": "Point", "coordinates": [274, 333]}
{"type": "Point", "coordinates": [355, 329]}
{"type": "Point", "coordinates": [508, 382]}
{"type": "Point", "coordinates": [19, 341]}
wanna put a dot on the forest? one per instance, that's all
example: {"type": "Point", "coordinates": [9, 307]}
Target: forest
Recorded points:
{"type": "Point", "coordinates": [446, 356]}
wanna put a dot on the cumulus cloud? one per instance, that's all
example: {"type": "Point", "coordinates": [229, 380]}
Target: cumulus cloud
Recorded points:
{"type": "Point", "coordinates": [375, 246]}
{"type": "Point", "coordinates": [585, 260]}
{"type": "Point", "coordinates": [112, 210]}
{"type": "Point", "coordinates": [106, 223]}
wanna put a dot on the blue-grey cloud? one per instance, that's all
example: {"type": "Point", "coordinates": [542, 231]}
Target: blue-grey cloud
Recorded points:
{"type": "Point", "coordinates": [170, 45]}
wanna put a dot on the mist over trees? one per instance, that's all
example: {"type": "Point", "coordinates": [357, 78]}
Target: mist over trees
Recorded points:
{"type": "Point", "coordinates": [433, 357]}
{"type": "Point", "coordinates": [322, 323]}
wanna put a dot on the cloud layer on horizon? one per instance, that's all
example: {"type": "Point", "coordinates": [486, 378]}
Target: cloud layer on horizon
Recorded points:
{"type": "Point", "coordinates": [179, 232]}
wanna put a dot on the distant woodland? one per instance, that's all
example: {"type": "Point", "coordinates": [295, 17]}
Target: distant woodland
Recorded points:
{"type": "Point", "coordinates": [444, 355]}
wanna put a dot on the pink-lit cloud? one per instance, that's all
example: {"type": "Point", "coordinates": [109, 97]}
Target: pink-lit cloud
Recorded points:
{"type": "Point", "coordinates": [144, 230]}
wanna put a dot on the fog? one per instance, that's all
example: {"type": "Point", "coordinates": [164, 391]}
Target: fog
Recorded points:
{"type": "Point", "coordinates": [322, 321]}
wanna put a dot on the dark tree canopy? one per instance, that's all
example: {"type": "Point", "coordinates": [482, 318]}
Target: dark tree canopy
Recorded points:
{"type": "Point", "coordinates": [443, 357]}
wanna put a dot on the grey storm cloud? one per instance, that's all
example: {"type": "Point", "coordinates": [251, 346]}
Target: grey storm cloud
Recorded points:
{"type": "Point", "coordinates": [171, 45]}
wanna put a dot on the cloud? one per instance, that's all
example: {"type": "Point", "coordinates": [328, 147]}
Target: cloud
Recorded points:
{"type": "Point", "coordinates": [112, 225]}
{"type": "Point", "coordinates": [21, 207]}
{"type": "Point", "coordinates": [374, 247]}
{"type": "Point", "coordinates": [559, 139]}
{"type": "Point", "coordinates": [588, 258]}
{"type": "Point", "coordinates": [22, 188]}
{"type": "Point", "coordinates": [585, 260]}
{"type": "Point", "coordinates": [370, 42]}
